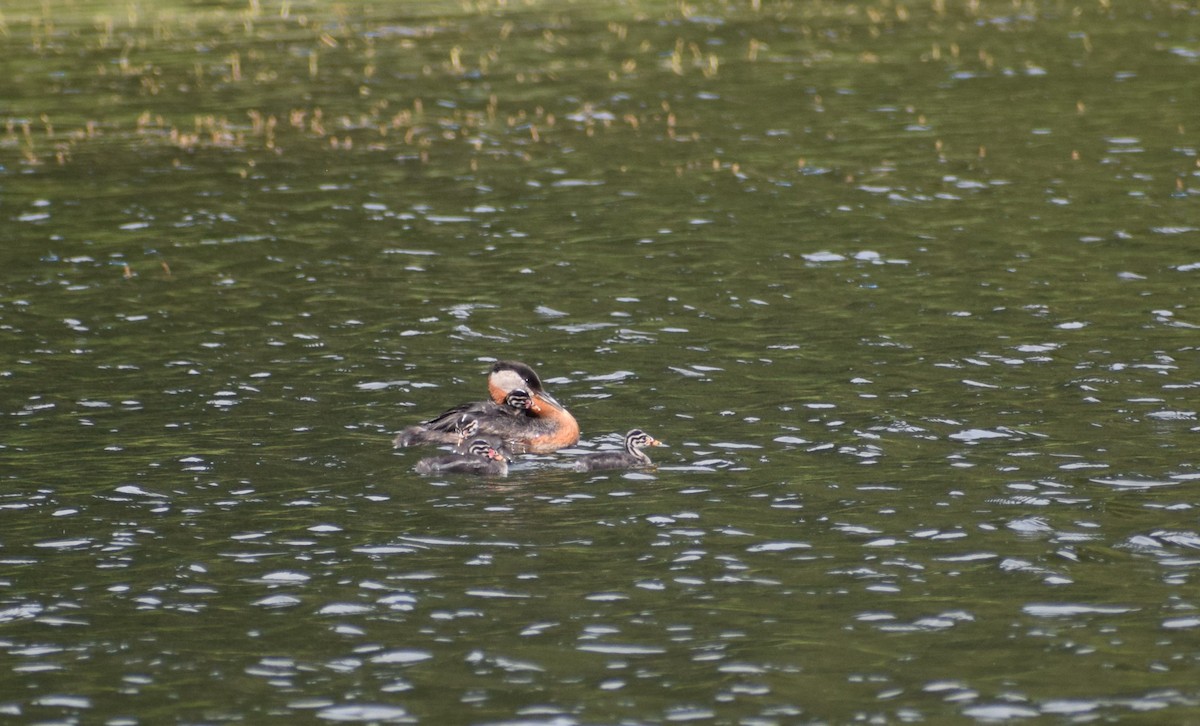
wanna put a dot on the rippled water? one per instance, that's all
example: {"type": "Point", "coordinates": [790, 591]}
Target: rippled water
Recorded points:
{"type": "Point", "coordinates": [908, 291]}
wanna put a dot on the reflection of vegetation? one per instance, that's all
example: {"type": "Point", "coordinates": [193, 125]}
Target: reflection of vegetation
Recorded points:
{"type": "Point", "coordinates": [484, 78]}
{"type": "Point", "coordinates": [255, 77]}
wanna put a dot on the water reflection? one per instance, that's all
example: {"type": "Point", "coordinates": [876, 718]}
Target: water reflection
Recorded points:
{"type": "Point", "coordinates": [923, 359]}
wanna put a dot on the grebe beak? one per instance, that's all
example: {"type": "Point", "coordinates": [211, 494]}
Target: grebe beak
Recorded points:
{"type": "Point", "coordinates": [543, 397]}
{"type": "Point", "coordinates": [656, 442]}
{"type": "Point", "coordinates": [493, 454]}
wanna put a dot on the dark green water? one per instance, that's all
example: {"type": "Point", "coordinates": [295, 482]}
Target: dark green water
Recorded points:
{"type": "Point", "coordinates": [910, 291]}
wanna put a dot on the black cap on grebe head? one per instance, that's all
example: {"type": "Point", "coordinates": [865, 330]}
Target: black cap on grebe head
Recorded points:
{"type": "Point", "coordinates": [507, 375]}
{"type": "Point", "coordinates": [515, 372]}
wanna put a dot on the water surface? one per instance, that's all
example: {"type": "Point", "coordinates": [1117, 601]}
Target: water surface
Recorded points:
{"type": "Point", "coordinates": [909, 292]}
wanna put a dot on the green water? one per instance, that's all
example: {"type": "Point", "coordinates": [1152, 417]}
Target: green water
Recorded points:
{"type": "Point", "coordinates": [908, 289]}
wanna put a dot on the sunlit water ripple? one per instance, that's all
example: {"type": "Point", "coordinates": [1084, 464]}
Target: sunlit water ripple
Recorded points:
{"type": "Point", "coordinates": [924, 362]}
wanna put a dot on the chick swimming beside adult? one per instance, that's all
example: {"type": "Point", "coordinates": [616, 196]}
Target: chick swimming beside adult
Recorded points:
{"type": "Point", "coordinates": [480, 457]}
{"type": "Point", "coordinates": [631, 458]}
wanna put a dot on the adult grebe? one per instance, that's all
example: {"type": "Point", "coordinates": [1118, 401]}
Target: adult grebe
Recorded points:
{"type": "Point", "coordinates": [534, 422]}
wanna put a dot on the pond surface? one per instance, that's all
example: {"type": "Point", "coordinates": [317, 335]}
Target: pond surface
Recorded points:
{"type": "Point", "coordinates": [909, 290]}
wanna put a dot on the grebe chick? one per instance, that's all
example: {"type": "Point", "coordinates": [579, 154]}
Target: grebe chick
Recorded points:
{"type": "Point", "coordinates": [468, 431]}
{"type": "Point", "coordinates": [631, 458]}
{"type": "Point", "coordinates": [466, 427]}
{"type": "Point", "coordinates": [480, 458]}
{"type": "Point", "coordinates": [519, 402]}
{"type": "Point", "coordinates": [463, 422]}
{"type": "Point", "coordinates": [540, 426]}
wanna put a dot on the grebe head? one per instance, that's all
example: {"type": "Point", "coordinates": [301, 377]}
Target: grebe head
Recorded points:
{"type": "Point", "coordinates": [481, 448]}
{"type": "Point", "coordinates": [638, 439]}
{"type": "Point", "coordinates": [507, 375]}
{"type": "Point", "coordinates": [466, 427]}
{"type": "Point", "coordinates": [520, 400]}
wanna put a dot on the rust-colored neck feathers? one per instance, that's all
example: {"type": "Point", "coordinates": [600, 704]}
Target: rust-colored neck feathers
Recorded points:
{"type": "Point", "coordinates": [564, 429]}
